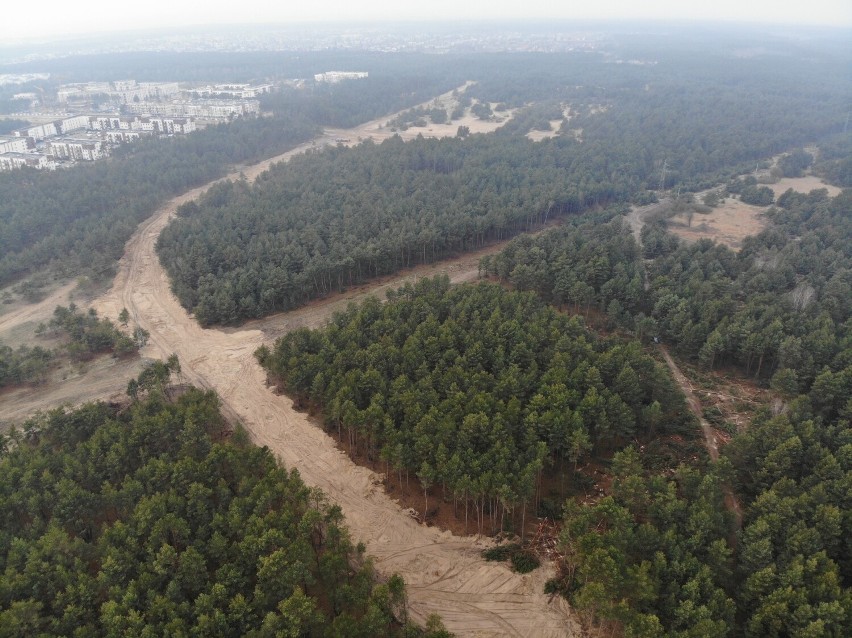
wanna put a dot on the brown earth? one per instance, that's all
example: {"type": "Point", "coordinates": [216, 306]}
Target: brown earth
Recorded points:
{"type": "Point", "coordinates": [732, 221]}
{"type": "Point", "coordinates": [728, 224]}
{"type": "Point", "coordinates": [445, 573]}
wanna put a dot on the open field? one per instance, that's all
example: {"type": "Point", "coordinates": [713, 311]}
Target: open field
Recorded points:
{"type": "Point", "coordinates": [445, 573]}
{"type": "Point", "coordinates": [802, 185]}
{"type": "Point", "coordinates": [728, 224]}
{"type": "Point", "coordinates": [103, 378]}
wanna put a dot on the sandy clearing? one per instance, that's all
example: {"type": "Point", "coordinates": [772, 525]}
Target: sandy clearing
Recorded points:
{"type": "Point", "coordinates": [802, 185]}
{"type": "Point", "coordinates": [728, 224]}
{"type": "Point", "coordinates": [537, 136]}
{"type": "Point", "coordinates": [378, 130]}
{"type": "Point", "coordinates": [103, 378]}
{"type": "Point", "coordinates": [445, 573]}
{"type": "Point", "coordinates": [37, 311]}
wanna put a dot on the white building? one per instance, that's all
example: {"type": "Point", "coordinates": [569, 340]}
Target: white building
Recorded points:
{"type": "Point", "coordinates": [16, 144]}
{"type": "Point", "coordinates": [243, 91]}
{"type": "Point", "coordinates": [172, 125]}
{"type": "Point", "coordinates": [38, 133]}
{"type": "Point", "coordinates": [146, 124]}
{"type": "Point", "coordinates": [104, 122]}
{"type": "Point", "coordinates": [120, 137]}
{"type": "Point", "coordinates": [333, 77]}
{"type": "Point", "coordinates": [129, 91]}
{"type": "Point", "coordinates": [74, 124]}
{"type": "Point", "coordinates": [76, 149]}
{"type": "Point", "coordinates": [210, 109]}
{"type": "Point", "coordinates": [72, 91]}
{"type": "Point", "coordinates": [12, 161]}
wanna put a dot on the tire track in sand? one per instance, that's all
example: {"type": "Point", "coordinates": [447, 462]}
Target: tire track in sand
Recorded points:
{"type": "Point", "coordinates": [444, 573]}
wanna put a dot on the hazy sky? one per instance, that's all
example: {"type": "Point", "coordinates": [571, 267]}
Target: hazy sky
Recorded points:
{"type": "Point", "coordinates": [65, 17]}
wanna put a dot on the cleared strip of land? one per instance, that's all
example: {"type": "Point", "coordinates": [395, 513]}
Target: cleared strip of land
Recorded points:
{"type": "Point", "coordinates": [445, 573]}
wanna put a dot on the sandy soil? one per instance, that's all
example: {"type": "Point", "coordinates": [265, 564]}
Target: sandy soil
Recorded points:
{"type": "Point", "coordinates": [802, 185]}
{"type": "Point", "coordinates": [103, 378]}
{"type": "Point", "coordinates": [537, 136]}
{"type": "Point", "coordinates": [728, 224]}
{"type": "Point", "coordinates": [445, 573]}
{"type": "Point", "coordinates": [379, 130]}
{"type": "Point", "coordinates": [24, 313]}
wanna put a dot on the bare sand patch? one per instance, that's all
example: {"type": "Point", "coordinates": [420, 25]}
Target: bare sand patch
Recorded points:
{"type": "Point", "coordinates": [537, 136]}
{"type": "Point", "coordinates": [728, 224]}
{"type": "Point", "coordinates": [102, 378]}
{"type": "Point", "coordinates": [379, 130]}
{"type": "Point", "coordinates": [20, 312]}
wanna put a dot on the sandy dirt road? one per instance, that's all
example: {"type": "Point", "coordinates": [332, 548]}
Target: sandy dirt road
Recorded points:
{"type": "Point", "coordinates": [445, 573]}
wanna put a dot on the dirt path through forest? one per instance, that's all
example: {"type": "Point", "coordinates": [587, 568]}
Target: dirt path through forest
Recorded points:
{"type": "Point", "coordinates": [636, 218]}
{"type": "Point", "coordinates": [445, 573]}
{"type": "Point", "coordinates": [710, 442]}
{"type": "Point", "coordinates": [694, 404]}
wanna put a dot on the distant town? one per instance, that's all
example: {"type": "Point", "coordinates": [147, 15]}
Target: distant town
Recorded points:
{"type": "Point", "coordinates": [95, 117]}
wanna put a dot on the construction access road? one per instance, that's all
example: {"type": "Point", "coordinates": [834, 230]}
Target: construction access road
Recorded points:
{"type": "Point", "coordinates": [444, 573]}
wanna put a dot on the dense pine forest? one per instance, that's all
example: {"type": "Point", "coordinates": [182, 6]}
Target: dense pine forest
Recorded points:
{"type": "Point", "coordinates": [657, 555]}
{"type": "Point", "coordinates": [778, 309]}
{"type": "Point", "coordinates": [336, 218]}
{"type": "Point", "coordinates": [78, 220]}
{"type": "Point", "coordinates": [477, 389]}
{"type": "Point", "coordinates": [332, 219]}
{"type": "Point", "coordinates": [151, 521]}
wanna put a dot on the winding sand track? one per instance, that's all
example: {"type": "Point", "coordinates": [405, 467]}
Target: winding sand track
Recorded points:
{"type": "Point", "coordinates": [444, 573]}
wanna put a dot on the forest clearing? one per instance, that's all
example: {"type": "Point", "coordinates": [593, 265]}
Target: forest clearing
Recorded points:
{"type": "Point", "coordinates": [729, 223]}
{"type": "Point", "coordinates": [732, 220]}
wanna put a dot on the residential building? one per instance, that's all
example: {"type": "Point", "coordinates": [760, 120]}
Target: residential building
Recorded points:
{"type": "Point", "coordinates": [209, 109]}
{"type": "Point", "coordinates": [73, 124]}
{"type": "Point", "coordinates": [38, 133]}
{"type": "Point", "coordinates": [16, 144]}
{"type": "Point", "coordinates": [12, 161]}
{"type": "Point", "coordinates": [84, 150]}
